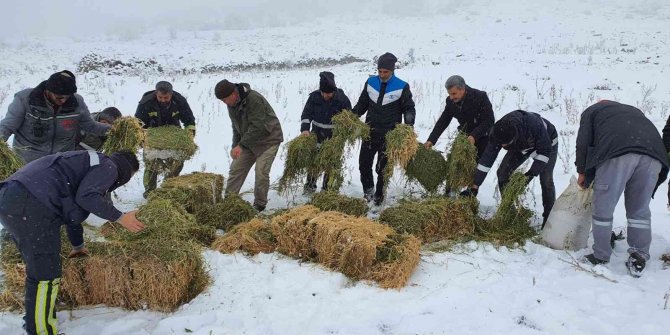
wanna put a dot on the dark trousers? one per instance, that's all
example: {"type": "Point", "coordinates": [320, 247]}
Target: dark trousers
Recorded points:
{"type": "Point", "coordinates": [321, 135]}
{"type": "Point", "coordinates": [514, 159]}
{"type": "Point", "coordinates": [36, 232]}
{"type": "Point", "coordinates": [376, 145]}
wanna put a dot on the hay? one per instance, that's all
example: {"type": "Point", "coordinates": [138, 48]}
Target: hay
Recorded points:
{"type": "Point", "coordinates": [330, 160]}
{"type": "Point", "coordinates": [224, 215]}
{"type": "Point", "coordinates": [10, 162]}
{"type": "Point", "coordinates": [397, 258]}
{"type": "Point", "coordinates": [348, 126]}
{"type": "Point", "coordinates": [193, 191]}
{"type": "Point", "coordinates": [428, 168]}
{"type": "Point", "coordinates": [433, 219]}
{"type": "Point", "coordinates": [126, 134]}
{"type": "Point", "coordinates": [330, 201]}
{"type": "Point", "coordinates": [252, 237]}
{"type": "Point", "coordinates": [300, 160]}
{"type": "Point", "coordinates": [461, 163]}
{"type": "Point", "coordinates": [169, 142]}
{"type": "Point", "coordinates": [401, 145]}
{"type": "Point", "coordinates": [295, 232]}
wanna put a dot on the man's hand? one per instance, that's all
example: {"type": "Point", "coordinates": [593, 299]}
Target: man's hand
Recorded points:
{"type": "Point", "coordinates": [581, 180]}
{"type": "Point", "coordinates": [305, 133]}
{"type": "Point", "coordinates": [471, 140]}
{"type": "Point", "coordinates": [130, 222]}
{"type": "Point", "coordinates": [470, 192]}
{"type": "Point", "coordinates": [235, 152]}
{"type": "Point", "coordinates": [83, 252]}
{"type": "Point", "coordinates": [428, 145]}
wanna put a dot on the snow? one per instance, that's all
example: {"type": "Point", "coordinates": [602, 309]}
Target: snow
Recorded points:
{"type": "Point", "coordinates": [565, 54]}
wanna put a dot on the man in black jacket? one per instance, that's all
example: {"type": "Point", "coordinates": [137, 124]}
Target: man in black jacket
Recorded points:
{"type": "Point", "coordinates": [163, 107]}
{"type": "Point", "coordinates": [471, 108]}
{"type": "Point", "coordinates": [387, 100]}
{"type": "Point", "coordinates": [524, 135]}
{"type": "Point", "coordinates": [318, 113]}
{"type": "Point", "coordinates": [620, 150]}
{"type": "Point", "coordinates": [666, 142]}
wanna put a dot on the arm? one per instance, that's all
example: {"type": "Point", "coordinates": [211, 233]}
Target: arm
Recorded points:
{"type": "Point", "coordinates": [584, 140]}
{"type": "Point", "coordinates": [542, 144]}
{"type": "Point", "coordinates": [408, 110]}
{"type": "Point", "coordinates": [486, 162]}
{"type": "Point", "coordinates": [307, 115]}
{"type": "Point", "coordinates": [442, 124]}
{"type": "Point", "coordinates": [486, 119]}
{"type": "Point", "coordinates": [87, 123]}
{"type": "Point", "coordinates": [13, 120]}
{"type": "Point", "coordinates": [92, 189]}
{"type": "Point", "coordinates": [363, 101]}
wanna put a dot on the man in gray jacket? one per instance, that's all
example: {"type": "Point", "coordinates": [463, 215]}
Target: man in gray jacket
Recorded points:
{"type": "Point", "coordinates": [620, 150]}
{"type": "Point", "coordinates": [47, 119]}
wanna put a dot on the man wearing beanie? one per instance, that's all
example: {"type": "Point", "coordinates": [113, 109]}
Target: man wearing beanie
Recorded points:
{"type": "Point", "coordinates": [55, 190]}
{"type": "Point", "coordinates": [89, 141]}
{"type": "Point", "coordinates": [48, 118]}
{"type": "Point", "coordinates": [163, 107]}
{"type": "Point", "coordinates": [319, 110]}
{"type": "Point", "coordinates": [524, 135]}
{"type": "Point", "coordinates": [256, 138]}
{"type": "Point", "coordinates": [387, 100]}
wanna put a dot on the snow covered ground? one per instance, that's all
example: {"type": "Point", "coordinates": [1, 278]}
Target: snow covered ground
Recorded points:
{"type": "Point", "coordinates": [557, 56]}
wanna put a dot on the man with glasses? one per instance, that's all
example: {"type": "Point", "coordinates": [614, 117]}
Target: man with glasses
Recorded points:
{"type": "Point", "coordinates": [48, 118]}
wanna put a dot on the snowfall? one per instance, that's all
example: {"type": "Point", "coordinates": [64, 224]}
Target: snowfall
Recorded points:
{"type": "Point", "coordinates": [551, 57]}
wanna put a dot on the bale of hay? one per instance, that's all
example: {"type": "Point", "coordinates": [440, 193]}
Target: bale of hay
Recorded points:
{"type": "Point", "coordinates": [253, 237]}
{"type": "Point", "coordinates": [126, 134]}
{"type": "Point", "coordinates": [295, 232]}
{"type": "Point", "coordinates": [433, 219]}
{"type": "Point", "coordinates": [396, 260]}
{"type": "Point", "coordinates": [300, 160]}
{"type": "Point", "coordinates": [331, 201]}
{"type": "Point", "coordinates": [461, 163]}
{"type": "Point", "coordinates": [428, 168]}
{"type": "Point", "coordinates": [193, 190]}
{"type": "Point", "coordinates": [348, 126]}
{"type": "Point", "coordinates": [10, 162]}
{"type": "Point", "coordinates": [226, 214]}
{"type": "Point", "coordinates": [169, 142]}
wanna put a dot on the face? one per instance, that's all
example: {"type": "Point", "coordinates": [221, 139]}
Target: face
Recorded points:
{"type": "Point", "coordinates": [327, 96]}
{"type": "Point", "coordinates": [456, 93]}
{"type": "Point", "coordinates": [163, 98]}
{"type": "Point", "coordinates": [384, 74]}
{"type": "Point", "coordinates": [232, 99]}
{"type": "Point", "coordinates": [57, 99]}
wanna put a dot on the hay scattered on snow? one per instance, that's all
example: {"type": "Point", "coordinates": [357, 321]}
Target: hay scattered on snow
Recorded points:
{"type": "Point", "coordinates": [461, 163]}
{"type": "Point", "coordinates": [169, 142]}
{"type": "Point", "coordinates": [224, 215]}
{"type": "Point", "coordinates": [10, 162]}
{"type": "Point", "coordinates": [331, 201]}
{"type": "Point", "coordinates": [193, 190]}
{"type": "Point", "coordinates": [300, 160]}
{"type": "Point", "coordinates": [428, 168]}
{"type": "Point", "coordinates": [252, 237]}
{"type": "Point", "coordinates": [126, 134]}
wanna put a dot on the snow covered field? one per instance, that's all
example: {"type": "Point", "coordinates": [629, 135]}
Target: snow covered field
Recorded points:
{"type": "Point", "coordinates": [552, 57]}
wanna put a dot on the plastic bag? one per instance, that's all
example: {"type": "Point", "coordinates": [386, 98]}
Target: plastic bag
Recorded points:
{"type": "Point", "coordinates": [569, 223]}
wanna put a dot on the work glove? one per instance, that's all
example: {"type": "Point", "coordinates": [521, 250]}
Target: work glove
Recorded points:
{"type": "Point", "coordinates": [470, 192]}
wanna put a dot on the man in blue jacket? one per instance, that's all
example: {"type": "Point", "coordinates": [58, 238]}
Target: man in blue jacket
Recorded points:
{"type": "Point", "coordinates": [56, 190]}
{"type": "Point", "coordinates": [318, 113]}
{"type": "Point", "coordinates": [387, 100]}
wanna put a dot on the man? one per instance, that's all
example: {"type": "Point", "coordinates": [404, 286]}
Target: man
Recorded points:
{"type": "Point", "coordinates": [89, 141]}
{"type": "Point", "coordinates": [163, 107]}
{"type": "Point", "coordinates": [47, 119]}
{"type": "Point", "coordinates": [319, 110]}
{"type": "Point", "coordinates": [524, 135]}
{"type": "Point", "coordinates": [55, 190]}
{"type": "Point", "coordinates": [256, 138]}
{"type": "Point", "coordinates": [666, 142]}
{"type": "Point", "coordinates": [620, 150]}
{"type": "Point", "coordinates": [471, 108]}
{"type": "Point", "coordinates": [387, 100]}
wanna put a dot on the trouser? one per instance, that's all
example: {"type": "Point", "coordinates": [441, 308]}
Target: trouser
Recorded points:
{"type": "Point", "coordinates": [376, 145]}
{"type": "Point", "coordinates": [514, 159]}
{"type": "Point", "coordinates": [152, 167]}
{"type": "Point", "coordinates": [311, 176]}
{"type": "Point", "coordinates": [239, 170]}
{"type": "Point", "coordinates": [635, 175]}
{"type": "Point", "coordinates": [36, 233]}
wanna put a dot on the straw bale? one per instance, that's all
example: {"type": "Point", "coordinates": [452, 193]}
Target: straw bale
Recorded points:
{"type": "Point", "coordinates": [300, 160]}
{"type": "Point", "coordinates": [193, 191]}
{"type": "Point", "coordinates": [428, 168]}
{"type": "Point", "coordinates": [126, 134]}
{"type": "Point", "coordinates": [10, 162]}
{"type": "Point", "coordinates": [461, 163]}
{"type": "Point", "coordinates": [169, 142]}
{"type": "Point", "coordinates": [252, 237]}
{"type": "Point", "coordinates": [295, 232]}
{"type": "Point", "coordinates": [396, 260]}
{"type": "Point", "coordinates": [331, 201]}
{"type": "Point", "coordinates": [224, 215]}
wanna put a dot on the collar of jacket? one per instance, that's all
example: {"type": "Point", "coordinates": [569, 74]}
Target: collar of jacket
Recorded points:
{"type": "Point", "coordinates": [243, 89]}
{"type": "Point", "coordinates": [38, 99]}
{"type": "Point", "coordinates": [394, 83]}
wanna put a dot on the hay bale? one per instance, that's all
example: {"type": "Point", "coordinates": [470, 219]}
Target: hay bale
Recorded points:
{"type": "Point", "coordinates": [126, 134]}
{"type": "Point", "coordinates": [224, 215]}
{"type": "Point", "coordinates": [295, 232]}
{"type": "Point", "coordinates": [461, 163]}
{"type": "Point", "coordinates": [428, 168]}
{"type": "Point", "coordinates": [253, 237]}
{"type": "Point", "coordinates": [331, 201]}
{"type": "Point", "coordinates": [193, 190]}
{"type": "Point", "coordinates": [348, 126]}
{"type": "Point", "coordinates": [433, 219]}
{"type": "Point", "coordinates": [169, 142]}
{"type": "Point", "coordinates": [300, 160]}
{"type": "Point", "coordinates": [396, 260]}
{"type": "Point", "coordinates": [10, 162]}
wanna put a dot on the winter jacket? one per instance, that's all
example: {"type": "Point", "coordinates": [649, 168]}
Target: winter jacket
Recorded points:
{"type": "Point", "coordinates": [153, 115]}
{"type": "Point", "coordinates": [386, 104]}
{"type": "Point", "coordinates": [666, 135]}
{"type": "Point", "coordinates": [609, 129]}
{"type": "Point", "coordinates": [535, 136]}
{"type": "Point", "coordinates": [41, 129]}
{"type": "Point", "coordinates": [255, 125]}
{"type": "Point", "coordinates": [474, 114]}
{"type": "Point", "coordinates": [319, 113]}
{"type": "Point", "coordinates": [72, 184]}
{"type": "Point", "coordinates": [88, 141]}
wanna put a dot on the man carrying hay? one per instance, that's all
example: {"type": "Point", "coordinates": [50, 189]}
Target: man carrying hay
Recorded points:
{"type": "Point", "coordinates": [56, 190]}
{"type": "Point", "coordinates": [387, 100]}
{"type": "Point", "coordinates": [163, 107]}
{"type": "Point", "coordinates": [471, 108]}
{"type": "Point", "coordinates": [88, 141]}
{"type": "Point", "coordinates": [524, 135]}
{"type": "Point", "coordinates": [319, 110]}
{"type": "Point", "coordinates": [47, 119]}
{"type": "Point", "coordinates": [257, 134]}
{"type": "Point", "coordinates": [620, 150]}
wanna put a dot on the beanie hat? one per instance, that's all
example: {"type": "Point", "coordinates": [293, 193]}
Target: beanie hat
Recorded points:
{"type": "Point", "coordinates": [327, 82]}
{"type": "Point", "coordinates": [127, 164]}
{"type": "Point", "coordinates": [504, 131]}
{"type": "Point", "coordinates": [387, 61]}
{"type": "Point", "coordinates": [223, 89]}
{"type": "Point", "coordinates": [62, 83]}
